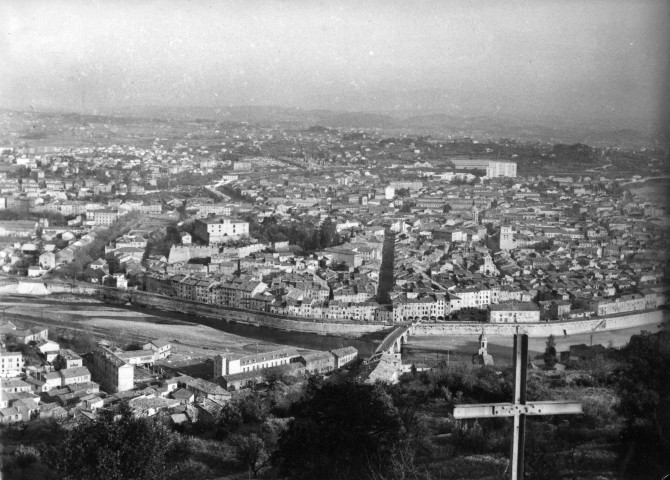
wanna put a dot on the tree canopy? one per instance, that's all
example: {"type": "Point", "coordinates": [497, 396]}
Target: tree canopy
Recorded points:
{"type": "Point", "coordinates": [340, 431]}
{"type": "Point", "coordinates": [644, 391]}
{"type": "Point", "coordinates": [126, 448]}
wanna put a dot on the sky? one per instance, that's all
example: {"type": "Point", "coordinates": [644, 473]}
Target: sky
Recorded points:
{"type": "Point", "coordinates": [567, 58]}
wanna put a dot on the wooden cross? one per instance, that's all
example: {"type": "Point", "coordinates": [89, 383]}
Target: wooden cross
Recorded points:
{"type": "Point", "coordinates": [519, 408]}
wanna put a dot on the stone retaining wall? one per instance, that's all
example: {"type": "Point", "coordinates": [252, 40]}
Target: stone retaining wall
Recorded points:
{"type": "Point", "coordinates": [651, 318]}
{"type": "Point", "coordinates": [227, 314]}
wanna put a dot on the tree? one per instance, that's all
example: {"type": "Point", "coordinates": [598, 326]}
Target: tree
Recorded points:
{"type": "Point", "coordinates": [228, 421]}
{"type": "Point", "coordinates": [644, 403]}
{"type": "Point", "coordinates": [340, 431]}
{"type": "Point", "coordinates": [254, 451]}
{"type": "Point", "coordinates": [328, 233]}
{"type": "Point", "coordinates": [550, 352]}
{"type": "Point", "coordinates": [126, 448]}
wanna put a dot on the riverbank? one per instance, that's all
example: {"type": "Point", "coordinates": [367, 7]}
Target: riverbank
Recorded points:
{"type": "Point", "coordinates": [206, 336]}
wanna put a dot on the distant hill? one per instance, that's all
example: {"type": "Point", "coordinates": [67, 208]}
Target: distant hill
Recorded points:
{"type": "Point", "coordinates": [577, 153]}
{"type": "Point", "coordinates": [547, 130]}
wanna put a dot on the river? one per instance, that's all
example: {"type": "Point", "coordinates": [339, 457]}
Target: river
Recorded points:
{"type": "Point", "coordinates": [78, 309]}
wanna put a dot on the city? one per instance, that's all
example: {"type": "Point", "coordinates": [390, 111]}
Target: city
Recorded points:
{"type": "Point", "coordinates": [313, 292]}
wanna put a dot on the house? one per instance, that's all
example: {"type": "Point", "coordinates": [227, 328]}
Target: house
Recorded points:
{"type": "Point", "coordinates": [50, 380]}
{"type": "Point", "coordinates": [183, 396]}
{"type": "Point", "coordinates": [344, 356]}
{"type": "Point", "coordinates": [208, 409]}
{"type": "Point", "coordinates": [318, 362]}
{"type": "Point", "coordinates": [10, 415]}
{"type": "Point", "coordinates": [34, 334]}
{"type": "Point", "coordinates": [150, 406]}
{"type": "Point", "coordinates": [49, 349]}
{"type": "Point", "coordinates": [161, 348]}
{"type": "Point", "coordinates": [203, 389]}
{"type": "Point", "coordinates": [69, 359]}
{"type": "Point", "coordinates": [75, 375]}
{"type": "Point", "coordinates": [11, 363]}
{"type": "Point", "coordinates": [15, 385]}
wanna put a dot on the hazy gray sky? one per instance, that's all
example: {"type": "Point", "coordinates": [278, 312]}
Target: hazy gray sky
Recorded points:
{"type": "Point", "coordinates": [548, 57]}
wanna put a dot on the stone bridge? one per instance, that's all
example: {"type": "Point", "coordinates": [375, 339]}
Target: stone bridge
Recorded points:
{"type": "Point", "coordinates": [393, 342]}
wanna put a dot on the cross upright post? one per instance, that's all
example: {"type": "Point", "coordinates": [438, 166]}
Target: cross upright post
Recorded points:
{"type": "Point", "coordinates": [519, 409]}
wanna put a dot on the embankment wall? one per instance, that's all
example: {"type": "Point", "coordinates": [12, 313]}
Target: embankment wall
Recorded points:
{"type": "Point", "coordinates": [650, 318]}
{"type": "Point", "coordinates": [227, 314]}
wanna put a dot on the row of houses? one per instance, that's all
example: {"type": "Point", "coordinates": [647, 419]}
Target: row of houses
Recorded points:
{"type": "Point", "coordinates": [237, 371]}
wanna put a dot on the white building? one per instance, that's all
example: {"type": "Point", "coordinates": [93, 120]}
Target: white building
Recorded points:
{"type": "Point", "coordinates": [225, 364]}
{"type": "Point", "coordinates": [501, 169]}
{"type": "Point", "coordinates": [514, 312]}
{"type": "Point", "coordinates": [11, 363]}
{"type": "Point", "coordinates": [220, 230]}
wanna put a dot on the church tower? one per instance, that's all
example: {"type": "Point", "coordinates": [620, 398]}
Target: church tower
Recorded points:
{"type": "Point", "coordinates": [506, 241]}
{"type": "Point", "coordinates": [483, 344]}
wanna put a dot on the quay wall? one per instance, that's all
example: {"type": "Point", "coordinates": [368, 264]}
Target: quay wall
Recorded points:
{"type": "Point", "coordinates": [650, 318]}
{"type": "Point", "coordinates": [230, 314]}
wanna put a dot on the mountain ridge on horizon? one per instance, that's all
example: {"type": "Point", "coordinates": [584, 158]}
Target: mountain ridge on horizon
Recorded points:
{"type": "Point", "coordinates": [547, 129]}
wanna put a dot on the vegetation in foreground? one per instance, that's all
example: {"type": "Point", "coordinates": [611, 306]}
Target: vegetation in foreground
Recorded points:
{"type": "Point", "coordinates": [338, 429]}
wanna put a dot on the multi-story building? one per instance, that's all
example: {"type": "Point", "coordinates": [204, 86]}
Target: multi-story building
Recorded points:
{"type": "Point", "coordinates": [104, 217]}
{"type": "Point", "coordinates": [225, 364]}
{"type": "Point", "coordinates": [18, 228]}
{"type": "Point", "coordinates": [111, 372]}
{"type": "Point", "coordinates": [514, 312]}
{"type": "Point", "coordinates": [430, 307]}
{"type": "Point", "coordinates": [501, 169]}
{"type": "Point", "coordinates": [622, 304]}
{"type": "Point", "coordinates": [11, 363]}
{"type": "Point", "coordinates": [506, 240]}
{"type": "Point", "coordinates": [242, 166]}
{"type": "Point", "coordinates": [408, 185]}
{"type": "Point", "coordinates": [74, 375]}
{"type": "Point", "coordinates": [493, 168]}
{"type": "Point", "coordinates": [220, 230]}
{"type": "Point", "coordinates": [235, 293]}
{"type": "Point", "coordinates": [215, 209]}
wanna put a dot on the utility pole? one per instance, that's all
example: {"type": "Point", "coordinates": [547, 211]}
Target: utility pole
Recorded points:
{"type": "Point", "coordinates": [601, 323]}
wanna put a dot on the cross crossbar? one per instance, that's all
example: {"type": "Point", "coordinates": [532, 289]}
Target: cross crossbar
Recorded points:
{"type": "Point", "coordinates": [519, 408]}
{"type": "Point", "coordinates": [490, 410]}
